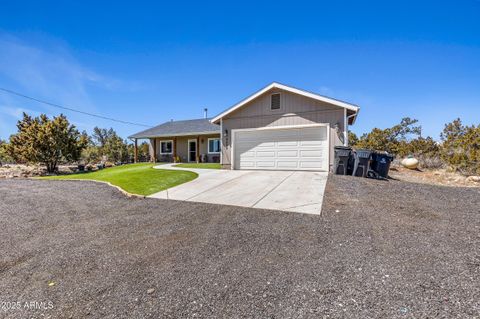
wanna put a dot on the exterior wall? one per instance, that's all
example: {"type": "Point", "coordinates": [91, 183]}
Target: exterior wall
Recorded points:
{"type": "Point", "coordinates": [182, 148]}
{"type": "Point", "coordinates": [295, 110]}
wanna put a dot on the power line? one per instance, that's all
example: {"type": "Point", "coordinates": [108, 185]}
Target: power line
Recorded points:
{"type": "Point", "coordinates": [71, 109]}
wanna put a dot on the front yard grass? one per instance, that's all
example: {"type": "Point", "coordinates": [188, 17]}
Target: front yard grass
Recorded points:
{"type": "Point", "coordinates": [200, 165]}
{"type": "Point", "coordinates": [141, 178]}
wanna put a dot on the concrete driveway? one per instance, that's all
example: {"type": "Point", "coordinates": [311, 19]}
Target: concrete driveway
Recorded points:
{"type": "Point", "coordinates": [294, 191]}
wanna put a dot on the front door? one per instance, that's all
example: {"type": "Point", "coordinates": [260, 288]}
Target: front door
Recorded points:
{"type": "Point", "coordinates": [192, 150]}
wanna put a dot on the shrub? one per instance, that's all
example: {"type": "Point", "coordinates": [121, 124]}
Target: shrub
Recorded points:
{"type": "Point", "coordinates": [91, 154]}
{"type": "Point", "coordinates": [4, 156]}
{"type": "Point", "coordinates": [461, 147]}
{"type": "Point", "coordinates": [110, 145]}
{"type": "Point", "coordinates": [402, 139]}
{"type": "Point", "coordinates": [41, 140]}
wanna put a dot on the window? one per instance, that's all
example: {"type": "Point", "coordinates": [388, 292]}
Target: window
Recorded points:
{"type": "Point", "coordinates": [213, 145]}
{"type": "Point", "coordinates": [166, 147]}
{"type": "Point", "coordinates": [275, 101]}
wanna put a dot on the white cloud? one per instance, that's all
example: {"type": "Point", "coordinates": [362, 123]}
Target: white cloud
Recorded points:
{"type": "Point", "coordinates": [15, 112]}
{"type": "Point", "coordinates": [11, 114]}
{"type": "Point", "coordinates": [47, 72]}
{"type": "Point", "coordinates": [47, 69]}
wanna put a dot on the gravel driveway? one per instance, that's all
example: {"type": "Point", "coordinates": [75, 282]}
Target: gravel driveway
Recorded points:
{"type": "Point", "coordinates": [379, 250]}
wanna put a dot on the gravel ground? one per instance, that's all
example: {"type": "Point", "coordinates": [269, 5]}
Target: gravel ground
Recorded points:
{"type": "Point", "coordinates": [379, 250]}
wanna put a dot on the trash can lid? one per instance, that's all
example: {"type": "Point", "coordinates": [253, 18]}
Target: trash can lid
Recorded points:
{"type": "Point", "coordinates": [341, 147]}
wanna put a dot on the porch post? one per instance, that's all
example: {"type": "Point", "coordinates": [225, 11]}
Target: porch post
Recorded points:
{"type": "Point", "coordinates": [198, 149]}
{"type": "Point", "coordinates": [154, 157]}
{"type": "Point", "coordinates": [174, 148]}
{"type": "Point", "coordinates": [135, 151]}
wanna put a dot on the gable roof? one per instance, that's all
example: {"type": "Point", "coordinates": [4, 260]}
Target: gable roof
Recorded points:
{"type": "Point", "coordinates": [180, 128]}
{"type": "Point", "coordinates": [348, 106]}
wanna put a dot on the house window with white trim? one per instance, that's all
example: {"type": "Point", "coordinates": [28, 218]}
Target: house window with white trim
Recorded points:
{"type": "Point", "coordinates": [275, 101]}
{"type": "Point", "coordinates": [213, 146]}
{"type": "Point", "coordinates": [166, 147]}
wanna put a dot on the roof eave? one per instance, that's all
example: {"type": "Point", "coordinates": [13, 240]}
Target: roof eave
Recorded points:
{"type": "Point", "coordinates": [174, 135]}
{"type": "Point", "coordinates": [354, 117]}
{"type": "Point", "coordinates": [348, 106]}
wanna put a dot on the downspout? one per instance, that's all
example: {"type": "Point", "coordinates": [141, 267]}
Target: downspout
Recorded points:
{"type": "Point", "coordinates": [346, 126]}
{"type": "Point", "coordinates": [221, 142]}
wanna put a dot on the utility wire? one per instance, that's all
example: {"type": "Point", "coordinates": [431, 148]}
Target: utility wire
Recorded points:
{"type": "Point", "coordinates": [71, 109]}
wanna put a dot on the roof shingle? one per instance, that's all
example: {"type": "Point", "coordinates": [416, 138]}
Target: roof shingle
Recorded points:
{"type": "Point", "coordinates": [179, 128]}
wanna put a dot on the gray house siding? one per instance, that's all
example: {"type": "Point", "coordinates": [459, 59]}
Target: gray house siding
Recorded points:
{"type": "Point", "coordinates": [295, 110]}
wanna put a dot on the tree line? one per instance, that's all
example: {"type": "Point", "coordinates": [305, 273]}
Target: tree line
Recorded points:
{"type": "Point", "coordinates": [40, 140]}
{"type": "Point", "coordinates": [457, 149]}
{"type": "Point", "coordinates": [51, 142]}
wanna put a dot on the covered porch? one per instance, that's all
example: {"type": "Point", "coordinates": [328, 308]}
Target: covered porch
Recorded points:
{"type": "Point", "coordinates": [184, 149]}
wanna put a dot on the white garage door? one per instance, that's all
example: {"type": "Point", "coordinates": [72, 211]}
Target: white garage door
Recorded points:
{"type": "Point", "coordinates": [282, 149]}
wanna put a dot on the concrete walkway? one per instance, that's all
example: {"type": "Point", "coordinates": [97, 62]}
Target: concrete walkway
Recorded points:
{"type": "Point", "coordinates": [294, 191]}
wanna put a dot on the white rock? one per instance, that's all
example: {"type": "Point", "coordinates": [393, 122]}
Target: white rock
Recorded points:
{"type": "Point", "coordinates": [410, 162]}
{"type": "Point", "coordinates": [150, 291]}
{"type": "Point", "coordinates": [473, 179]}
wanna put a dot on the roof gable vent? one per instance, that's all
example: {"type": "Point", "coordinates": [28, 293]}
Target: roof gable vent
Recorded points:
{"type": "Point", "coordinates": [275, 101]}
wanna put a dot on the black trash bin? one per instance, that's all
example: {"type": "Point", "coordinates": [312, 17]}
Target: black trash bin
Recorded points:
{"type": "Point", "coordinates": [362, 162]}
{"type": "Point", "coordinates": [381, 164]}
{"type": "Point", "coordinates": [351, 163]}
{"type": "Point", "coordinates": [342, 157]}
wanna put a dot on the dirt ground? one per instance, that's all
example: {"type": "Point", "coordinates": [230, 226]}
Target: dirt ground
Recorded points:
{"type": "Point", "coordinates": [380, 249]}
{"type": "Point", "coordinates": [440, 177]}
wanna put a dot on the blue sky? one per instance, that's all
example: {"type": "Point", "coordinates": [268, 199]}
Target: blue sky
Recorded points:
{"type": "Point", "coordinates": [150, 62]}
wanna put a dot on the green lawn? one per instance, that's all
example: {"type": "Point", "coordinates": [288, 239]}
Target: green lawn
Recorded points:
{"type": "Point", "coordinates": [139, 179]}
{"type": "Point", "coordinates": [200, 165]}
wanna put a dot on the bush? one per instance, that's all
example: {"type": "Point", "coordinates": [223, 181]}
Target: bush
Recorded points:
{"type": "Point", "coordinates": [461, 147]}
{"type": "Point", "coordinates": [4, 156]}
{"type": "Point", "coordinates": [430, 161]}
{"type": "Point", "coordinates": [46, 141]}
{"type": "Point", "coordinates": [110, 145]}
{"type": "Point", "coordinates": [91, 154]}
{"type": "Point", "coordinates": [401, 140]}
{"type": "Point", "coordinates": [421, 146]}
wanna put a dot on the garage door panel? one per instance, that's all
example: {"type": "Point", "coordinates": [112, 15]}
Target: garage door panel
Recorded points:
{"type": "Point", "coordinates": [287, 153]}
{"type": "Point", "coordinates": [270, 154]}
{"type": "Point", "coordinates": [311, 153]}
{"type": "Point", "coordinates": [311, 143]}
{"type": "Point", "coordinates": [311, 165]}
{"type": "Point", "coordinates": [287, 143]}
{"type": "Point", "coordinates": [247, 155]}
{"type": "Point", "coordinates": [289, 149]}
{"type": "Point", "coordinates": [287, 164]}
{"type": "Point", "coordinates": [266, 144]}
{"type": "Point", "coordinates": [265, 164]}
{"type": "Point", "coordinates": [248, 164]}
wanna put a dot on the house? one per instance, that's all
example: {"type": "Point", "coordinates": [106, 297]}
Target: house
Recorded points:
{"type": "Point", "coordinates": [277, 128]}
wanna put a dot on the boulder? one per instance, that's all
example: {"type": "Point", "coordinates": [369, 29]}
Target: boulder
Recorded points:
{"type": "Point", "coordinates": [473, 179]}
{"type": "Point", "coordinates": [410, 163]}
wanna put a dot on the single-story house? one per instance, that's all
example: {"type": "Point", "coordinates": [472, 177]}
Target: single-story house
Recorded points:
{"type": "Point", "coordinates": [277, 128]}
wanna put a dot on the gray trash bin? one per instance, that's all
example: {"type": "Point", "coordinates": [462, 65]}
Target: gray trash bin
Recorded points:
{"type": "Point", "coordinates": [362, 162]}
{"type": "Point", "coordinates": [342, 156]}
